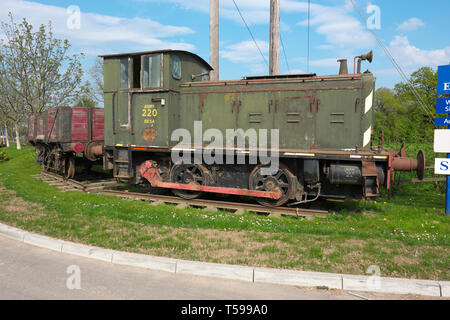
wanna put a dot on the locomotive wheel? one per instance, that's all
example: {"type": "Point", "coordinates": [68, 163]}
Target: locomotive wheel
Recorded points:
{"type": "Point", "coordinates": [283, 180]}
{"type": "Point", "coordinates": [69, 168]}
{"type": "Point", "coordinates": [187, 174]}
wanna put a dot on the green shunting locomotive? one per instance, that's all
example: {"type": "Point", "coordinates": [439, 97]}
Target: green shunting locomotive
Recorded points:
{"type": "Point", "coordinates": [324, 125]}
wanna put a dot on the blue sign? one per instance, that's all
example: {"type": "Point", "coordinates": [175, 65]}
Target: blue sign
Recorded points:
{"type": "Point", "coordinates": [443, 84]}
{"type": "Point", "coordinates": [443, 105]}
{"type": "Point", "coordinates": [442, 121]}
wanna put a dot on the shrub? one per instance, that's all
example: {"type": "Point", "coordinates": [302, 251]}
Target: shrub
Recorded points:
{"type": "Point", "coordinates": [3, 156]}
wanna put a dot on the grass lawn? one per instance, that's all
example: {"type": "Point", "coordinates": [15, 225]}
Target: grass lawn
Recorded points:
{"type": "Point", "coordinates": [406, 237]}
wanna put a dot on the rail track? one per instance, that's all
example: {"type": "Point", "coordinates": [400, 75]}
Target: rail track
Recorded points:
{"type": "Point", "coordinates": [92, 185]}
{"type": "Point", "coordinates": [106, 187]}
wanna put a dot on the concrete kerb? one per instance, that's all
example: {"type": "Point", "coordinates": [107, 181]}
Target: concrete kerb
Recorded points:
{"type": "Point", "coordinates": [298, 278]}
{"type": "Point", "coordinates": [12, 232]}
{"type": "Point", "coordinates": [215, 270]}
{"type": "Point", "coordinates": [144, 261]}
{"type": "Point", "coordinates": [43, 242]}
{"type": "Point", "coordinates": [391, 285]}
{"type": "Point", "coordinates": [233, 272]}
{"type": "Point", "coordinates": [445, 288]}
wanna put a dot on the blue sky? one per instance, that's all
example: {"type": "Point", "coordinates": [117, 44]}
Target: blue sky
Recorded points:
{"type": "Point", "coordinates": [416, 32]}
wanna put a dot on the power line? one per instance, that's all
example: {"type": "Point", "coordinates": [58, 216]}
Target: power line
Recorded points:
{"type": "Point", "coordinates": [239, 11]}
{"type": "Point", "coordinates": [285, 56]}
{"type": "Point", "coordinates": [397, 67]}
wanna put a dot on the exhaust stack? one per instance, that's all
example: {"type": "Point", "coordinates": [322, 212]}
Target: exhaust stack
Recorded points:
{"type": "Point", "coordinates": [343, 67]}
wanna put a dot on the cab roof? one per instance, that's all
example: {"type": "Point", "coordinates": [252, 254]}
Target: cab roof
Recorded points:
{"type": "Point", "coordinates": [155, 52]}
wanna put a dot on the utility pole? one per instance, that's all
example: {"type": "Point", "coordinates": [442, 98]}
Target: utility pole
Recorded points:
{"type": "Point", "coordinates": [274, 64]}
{"type": "Point", "coordinates": [214, 39]}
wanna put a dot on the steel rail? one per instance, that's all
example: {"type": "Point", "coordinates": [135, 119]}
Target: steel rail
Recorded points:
{"type": "Point", "coordinates": [213, 205]}
{"type": "Point", "coordinates": [237, 206]}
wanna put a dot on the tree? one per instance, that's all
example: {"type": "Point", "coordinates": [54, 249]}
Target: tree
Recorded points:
{"type": "Point", "coordinates": [96, 72]}
{"type": "Point", "coordinates": [399, 113]}
{"type": "Point", "coordinates": [11, 110]}
{"type": "Point", "coordinates": [424, 81]}
{"type": "Point", "coordinates": [87, 97]}
{"type": "Point", "coordinates": [390, 116]}
{"type": "Point", "coordinates": [4, 126]}
{"type": "Point", "coordinates": [42, 72]}
{"type": "Point", "coordinates": [36, 71]}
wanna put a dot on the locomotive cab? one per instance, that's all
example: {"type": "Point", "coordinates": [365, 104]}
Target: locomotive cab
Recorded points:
{"type": "Point", "coordinates": [141, 89]}
{"type": "Point", "coordinates": [141, 92]}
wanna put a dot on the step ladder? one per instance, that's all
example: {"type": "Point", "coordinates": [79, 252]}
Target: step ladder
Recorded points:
{"type": "Point", "coordinates": [122, 163]}
{"type": "Point", "coordinates": [370, 179]}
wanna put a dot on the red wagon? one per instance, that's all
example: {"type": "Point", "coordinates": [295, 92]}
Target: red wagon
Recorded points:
{"type": "Point", "coordinates": [63, 134]}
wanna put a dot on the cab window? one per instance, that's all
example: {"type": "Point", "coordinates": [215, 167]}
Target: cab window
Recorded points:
{"type": "Point", "coordinates": [151, 71]}
{"type": "Point", "coordinates": [206, 75]}
{"type": "Point", "coordinates": [124, 75]}
{"type": "Point", "coordinates": [176, 67]}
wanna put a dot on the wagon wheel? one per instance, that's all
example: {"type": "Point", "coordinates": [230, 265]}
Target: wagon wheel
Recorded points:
{"type": "Point", "coordinates": [49, 162]}
{"type": "Point", "coordinates": [187, 174]}
{"type": "Point", "coordinates": [46, 161]}
{"type": "Point", "coordinates": [283, 180]}
{"type": "Point", "coordinates": [69, 168]}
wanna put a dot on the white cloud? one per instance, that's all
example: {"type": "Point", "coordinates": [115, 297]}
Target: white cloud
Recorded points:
{"type": "Point", "coordinates": [297, 71]}
{"type": "Point", "coordinates": [340, 29]}
{"type": "Point", "coordinates": [324, 63]}
{"type": "Point", "coordinates": [320, 63]}
{"type": "Point", "coordinates": [411, 25]}
{"type": "Point", "coordinates": [408, 55]}
{"type": "Point", "coordinates": [392, 72]}
{"type": "Point", "coordinates": [245, 52]}
{"type": "Point", "coordinates": [99, 33]}
{"type": "Point", "coordinates": [336, 23]}
{"type": "Point", "coordinates": [254, 11]}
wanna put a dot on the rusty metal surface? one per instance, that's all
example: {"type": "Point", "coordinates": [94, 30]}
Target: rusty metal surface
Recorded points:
{"type": "Point", "coordinates": [150, 172]}
{"type": "Point", "coordinates": [404, 164]}
{"type": "Point", "coordinates": [94, 150]}
{"type": "Point", "coordinates": [149, 134]}
{"type": "Point", "coordinates": [229, 82]}
{"type": "Point", "coordinates": [271, 89]}
{"type": "Point", "coordinates": [369, 169]}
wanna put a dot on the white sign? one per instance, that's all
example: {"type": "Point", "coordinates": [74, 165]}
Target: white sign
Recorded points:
{"type": "Point", "coordinates": [442, 141]}
{"type": "Point", "coordinates": [442, 166]}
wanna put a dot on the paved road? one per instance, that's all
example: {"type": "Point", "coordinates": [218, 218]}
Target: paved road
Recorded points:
{"type": "Point", "coordinates": [29, 272]}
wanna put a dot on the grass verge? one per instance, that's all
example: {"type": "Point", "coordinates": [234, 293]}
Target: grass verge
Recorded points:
{"type": "Point", "coordinates": [406, 237]}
